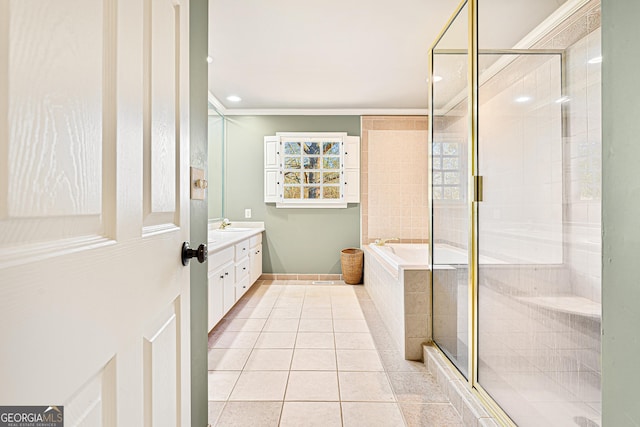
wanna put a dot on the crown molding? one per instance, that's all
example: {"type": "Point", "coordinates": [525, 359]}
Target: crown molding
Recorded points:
{"type": "Point", "coordinates": [328, 112]}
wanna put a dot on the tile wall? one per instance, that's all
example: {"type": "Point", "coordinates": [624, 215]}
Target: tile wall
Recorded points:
{"type": "Point", "coordinates": [394, 178]}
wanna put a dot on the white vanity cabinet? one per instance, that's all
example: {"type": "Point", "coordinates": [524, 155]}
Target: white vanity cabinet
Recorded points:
{"type": "Point", "coordinates": [232, 271]}
{"type": "Point", "coordinates": [255, 258]}
{"type": "Point", "coordinates": [242, 264]}
{"type": "Point", "coordinates": [221, 292]}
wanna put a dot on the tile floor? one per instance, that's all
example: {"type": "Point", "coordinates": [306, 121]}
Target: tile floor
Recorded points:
{"type": "Point", "coordinates": [292, 353]}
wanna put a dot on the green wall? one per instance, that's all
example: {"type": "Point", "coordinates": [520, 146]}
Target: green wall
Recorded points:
{"type": "Point", "coordinates": [198, 39]}
{"type": "Point", "coordinates": [296, 240]}
{"type": "Point", "coordinates": [621, 213]}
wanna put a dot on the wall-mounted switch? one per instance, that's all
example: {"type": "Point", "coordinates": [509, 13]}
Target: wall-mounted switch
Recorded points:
{"type": "Point", "coordinates": [247, 213]}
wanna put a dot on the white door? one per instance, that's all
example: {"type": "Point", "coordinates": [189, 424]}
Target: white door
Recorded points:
{"type": "Point", "coordinates": [94, 301]}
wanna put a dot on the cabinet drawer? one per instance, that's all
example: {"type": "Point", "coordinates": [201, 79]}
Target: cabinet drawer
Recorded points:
{"type": "Point", "coordinates": [242, 287]}
{"type": "Point", "coordinates": [255, 240]}
{"type": "Point", "coordinates": [242, 249]}
{"type": "Point", "coordinates": [242, 269]}
{"type": "Point", "coordinates": [219, 258]}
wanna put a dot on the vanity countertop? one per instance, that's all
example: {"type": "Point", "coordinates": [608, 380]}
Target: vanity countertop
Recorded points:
{"type": "Point", "coordinates": [236, 232]}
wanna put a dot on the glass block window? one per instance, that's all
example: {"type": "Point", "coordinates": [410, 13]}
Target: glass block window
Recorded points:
{"type": "Point", "coordinates": [447, 168]}
{"type": "Point", "coordinates": [312, 168]}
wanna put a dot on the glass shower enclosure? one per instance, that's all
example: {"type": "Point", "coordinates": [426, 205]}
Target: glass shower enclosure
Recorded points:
{"type": "Point", "coordinates": [515, 193]}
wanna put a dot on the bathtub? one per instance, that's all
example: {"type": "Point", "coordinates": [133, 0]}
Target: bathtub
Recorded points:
{"type": "Point", "coordinates": [398, 280]}
{"type": "Point", "coordinates": [415, 256]}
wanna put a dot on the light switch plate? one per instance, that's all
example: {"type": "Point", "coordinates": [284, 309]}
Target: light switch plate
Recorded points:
{"type": "Point", "coordinates": [198, 192]}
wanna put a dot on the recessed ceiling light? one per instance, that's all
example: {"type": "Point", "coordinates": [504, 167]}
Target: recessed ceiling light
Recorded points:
{"type": "Point", "coordinates": [234, 98]}
{"type": "Point", "coordinates": [523, 99]}
{"type": "Point", "coordinates": [596, 60]}
{"type": "Point", "coordinates": [562, 100]}
{"type": "Point", "coordinates": [209, 59]}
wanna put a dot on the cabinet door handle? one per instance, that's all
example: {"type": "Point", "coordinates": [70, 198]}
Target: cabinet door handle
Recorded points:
{"type": "Point", "coordinates": [222, 277]}
{"type": "Point", "coordinates": [226, 273]}
{"type": "Point", "coordinates": [244, 268]}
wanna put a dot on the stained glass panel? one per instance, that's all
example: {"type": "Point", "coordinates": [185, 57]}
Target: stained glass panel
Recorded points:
{"type": "Point", "coordinates": [291, 192]}
{"type": "Point", "coordinates": [312, 177]}
{"type": "Point", "coordinates": [331, 177]}
{"type": "Point", "coordinates": [331, 162]}
{"type": "Point", "coordinates": [311, 162]}
{"type": "Point", "coordinates": [311, 192]}
{"type": "Point", "coordinates": [291, 148]}
{"type": "Point", "coordinates": [331, 148]}
{"type": "Point", "coordinates": [292, 178]}
{"type": "Point", "coordinates": [311, 148]}
{"type": "Point", "coordinates": [437, 163]}
{"type": "Point", "coordinates": [436, 148]}
{"type": "Point", "coordinates": [331, 192]}
{"type": "Point", "coordinates": [292, 162]}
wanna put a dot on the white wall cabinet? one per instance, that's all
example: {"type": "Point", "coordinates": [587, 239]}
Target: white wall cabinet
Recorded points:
{"type": "Point", "coordinates": [352, 169]}
{"type": "Point", "coordinates": [232, 271]}
{"type": "Point", "coordinates": [271, 168]}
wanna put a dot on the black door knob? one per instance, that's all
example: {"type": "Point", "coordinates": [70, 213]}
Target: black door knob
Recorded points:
{"type": "Point", "coordinates": [187, 253]}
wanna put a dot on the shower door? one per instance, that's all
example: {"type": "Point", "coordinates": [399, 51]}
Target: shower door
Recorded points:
{"type": "Point", "coordinates": [538, 336]}
{"type": "Point", "coordinates": [449, 198]}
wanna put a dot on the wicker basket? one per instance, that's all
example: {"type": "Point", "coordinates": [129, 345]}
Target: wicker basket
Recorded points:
{"type": "Point", "coordinates": [352, 260]}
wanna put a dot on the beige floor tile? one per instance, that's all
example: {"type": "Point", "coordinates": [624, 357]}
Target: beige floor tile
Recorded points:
{"type": "Point", "coordinates": [316, 313]}
{"type": "Point", "coordinates": [235, 340]}
{"type": "Point", "coordinates": [315, 325]}
{"type": "Point", "coordinates": [285, 313]}
{"type": "Point", "coordinates": [228, 359]}
{"type": "Point", "coordinates": [416, 387]}
{"type": "Point", "coordinates": [315, 340]}
{"type": "Point", "coordinates": [347, 314]}
{"type": "Point", "coordinates": [312, 385]}
{"type": "Point", "coordinates": [248, 325]}
{"type": "Point", "coordinates": [431, 415]}
{"type": "Point", "coordinates": [316, 302]}
{"type": "Point", "coordinates": [350, 325]}
{"type": "Point", "coordinates": [263, 359]}
{"type": "Point", "coordinates": [252, 312]}
{"type": "Point", "coordinates": [393, 361]}
{"type": "Point", "coordinates": [214, 411]}
{"type": "Point", "coordinates": [305, 359]}
{"type": "Point", "coordinates": [260, 385]}
{"type": "Point", "coordinates": [311, 414]}
{"type": "Point", "coordinates": [354, 341]}
{"type": "Point", "coordinates": [281, 325]}
{"type": "Point", "coordinates": [276, 340]}
{"type": "Point", "coordinates": [221, 383]}
{"type": "Point", "coordinates": [250, 414]}
{"type": "Point", "coordinates": [365, 387]}
{"type": "Point", "coordinates": [358, 360]}
{"type": "Point", "coordinates": [358, 414]}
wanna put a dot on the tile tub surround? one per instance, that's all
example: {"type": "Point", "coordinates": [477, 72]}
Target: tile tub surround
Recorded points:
{"type": "Point", "coordinates": [330, 361]}
{"type": "Point", "coordinates": [393, 177]}
{"type": "Point", "coordinates": [403, 301]}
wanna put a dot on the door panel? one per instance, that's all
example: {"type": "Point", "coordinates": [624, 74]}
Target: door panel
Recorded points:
{"type": "Point", "coordinates": [161, 109]}
{"type": "Point", "coordinates": [92, 289]}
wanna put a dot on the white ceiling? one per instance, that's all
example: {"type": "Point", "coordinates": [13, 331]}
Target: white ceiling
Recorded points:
{"type": "Point", "coordinates": [330, 54]}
